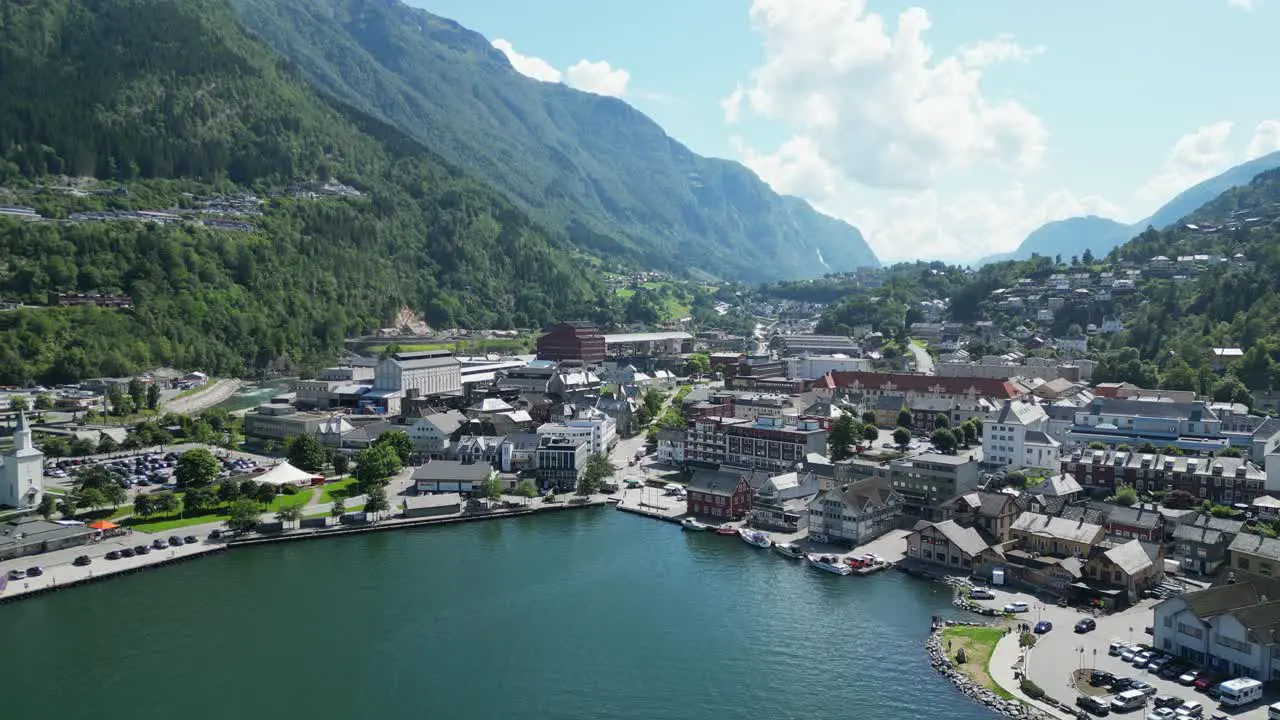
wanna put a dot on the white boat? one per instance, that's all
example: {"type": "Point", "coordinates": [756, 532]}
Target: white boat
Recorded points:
{"type": "Point", "coordinates": [789, 550]}
{"type": "Point", "coordinates": [755, 537]}
{"type": "Point", "coordinates": [831, 564]}
{"type": "Point", "coordinates": [693, 525]}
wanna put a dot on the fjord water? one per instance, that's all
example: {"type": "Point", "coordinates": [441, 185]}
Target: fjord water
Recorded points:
{"type": "Point", "coordinates": [580, 615]}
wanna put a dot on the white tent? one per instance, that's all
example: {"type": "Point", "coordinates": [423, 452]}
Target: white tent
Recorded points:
{"type": "Point", "coordinates": [285, 474]}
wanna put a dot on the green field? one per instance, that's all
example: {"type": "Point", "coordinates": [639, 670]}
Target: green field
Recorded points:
{"type": "Point", "coordinates": [344, 488]}
{"type": "Point", "coordinates": [978, 644]}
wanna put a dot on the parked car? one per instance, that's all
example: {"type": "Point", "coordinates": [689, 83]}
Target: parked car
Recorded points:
{"type": "Point", "coordinates": [1098, 678]}
{"type": "Point", "coordinates": [16, 574]}
{"type": "Point", "coordinates": [35, 571]}
{"type": "Point", "coordinates": [981, 594]}
{"type": "Point", "coordinates": [1206, 681]}
{"type": "Point", "coordinates": [1166, 701]}
{"type": "Point", "coordinates": [191, 539]}
{"type": "Point", "coordinates": [1096, 706]}
{"type": "Point", "coordinates": [1115, 647]}
{"type": "Point", "coordinates": [1016, 607]}
{"type": "Point", "coordinates": [1121, 684]}
{"type": "Point", "coordinates": [141, 550]}
{"type": "Point", "coordinates": [1189, 709]}
{"type": "Point", "coordinates": [159, 544]}
{"type": "Point", "coordinates": [174, 541]}
{"type": "Point", "coordinates": [1042, 627]}
{"type": "Point", "coordinates": [1129, 653]}
{"type": "Point", "coordinates": [1141, 659]}
{"type": "Point", "coordinates": [1084, 625]}
{"type": "Point", "coordinates": [1191, 676]}
{"type": "Point", "coordinates": [1142, 687]}
{"type": "Point", "coordinates": [127, 552]}
{"type": "Point", "coordinates": [113, 555]}
{"type": "Point", "coordinates": [81, 560]}
{"type": "Point", "coordinates": [1162, 713]}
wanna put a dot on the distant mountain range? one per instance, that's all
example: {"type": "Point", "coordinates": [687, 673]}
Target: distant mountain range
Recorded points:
{"type": "Point", "coordinates": [1073, 236]}
{"type": "Point", "coordinates": [589, 165]}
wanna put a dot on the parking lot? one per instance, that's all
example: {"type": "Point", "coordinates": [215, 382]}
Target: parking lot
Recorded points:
{"type": "Point", "coordinates": [1057, 655]}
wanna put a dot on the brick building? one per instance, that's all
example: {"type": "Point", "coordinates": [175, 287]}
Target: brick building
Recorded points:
{"type": "Point", "coordinates": [575, 341]}
{"type": "Point", "coordinates": [1224, 480]}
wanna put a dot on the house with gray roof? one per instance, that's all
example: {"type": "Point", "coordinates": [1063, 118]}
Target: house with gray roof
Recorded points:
{"type": "Point", "coordinates": [1256, 554]}
{"type": "Point", "coordinates": [451, 476]}
{"type": "Point", "coordinates": [782, 501]}
{"type": "Point", "coordinates": [1200, 549]}
{"type": "Point", "coordinates": [855, 513]}
{"type": "Point", "coordinates": [1232, 628]}
{"type": "Point", "coordinates": [946, 544]}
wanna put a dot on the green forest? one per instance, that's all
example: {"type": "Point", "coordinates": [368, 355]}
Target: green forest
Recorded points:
{"type": "Point", "coordinates": [140, 92]}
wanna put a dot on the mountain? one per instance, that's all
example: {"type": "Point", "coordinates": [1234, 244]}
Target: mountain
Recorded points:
{"type": "Point", "coordinates": [592, 165]}
{"type": "Point", "coordinates": [1100, 235]}
{"type": "Point", "coordinates": [161, 105]}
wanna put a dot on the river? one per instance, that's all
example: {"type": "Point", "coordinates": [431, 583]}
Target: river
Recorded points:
{"type": "Point", "coordinates": [579, 615]}
{"type": "Point", "coordinates": [251, 396]}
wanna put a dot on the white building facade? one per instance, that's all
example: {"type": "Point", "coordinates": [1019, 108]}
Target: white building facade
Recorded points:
{"type": "Point", "coordinates": [22, 470]}
{"type": "Point", "coordinates": [1015, 435]}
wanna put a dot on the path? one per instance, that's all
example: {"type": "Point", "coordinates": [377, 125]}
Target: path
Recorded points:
{"type": "Point", "coordinates": [1004, 658]}
{"type": "Point", "coordinates": [214, 394]}
{"type": "Point", "coordinates": [924, 361]}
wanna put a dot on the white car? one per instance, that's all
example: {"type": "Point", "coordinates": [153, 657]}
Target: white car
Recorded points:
{"type": "Point", "coordinates": [981, 594]}
{"type": "Point", "coordinates": [1189, 709]}
{"type": "Point", "coordinates": [1016, 607]}
{"type": "Point", "coordinates": [1141, 659]}
{"type": "Point", "coordinates": [1128, 654]}
{"type": "Point", "coordinates": [1161, 714]}
{"type": "Point", "coordinates": [1116, 647]}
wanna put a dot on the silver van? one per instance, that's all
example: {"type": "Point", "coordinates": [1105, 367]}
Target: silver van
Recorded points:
{"type": "Point", "coordinates": [1128, 700]}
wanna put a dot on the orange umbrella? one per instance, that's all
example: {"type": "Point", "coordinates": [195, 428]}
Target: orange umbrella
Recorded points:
{"type": "Point", "coordinates": [103, 525]}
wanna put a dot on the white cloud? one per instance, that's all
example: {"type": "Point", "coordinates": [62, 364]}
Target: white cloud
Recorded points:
{"type": "Point", "coordinates": [1245, 5]}
{"type": "Point", "coordinates": [926, 223]}
{"type": "Point", "coordinates": [1001, 49]}
{"type": "Point", "coordinates": [1266, 139]}
{"type": "Point", "coordinates": [875, 102]}
{"type": "Point", "coordinates": [1194, 157]}
{"type": "Point", "coordinates": [527, 65]}
{"type": "Point", "coordinates": [732, 105]}
{"type": "Point", "coordinates": [598, 77]}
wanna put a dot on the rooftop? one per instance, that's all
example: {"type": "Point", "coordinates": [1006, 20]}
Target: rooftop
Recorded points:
{"type": "Point", "coordinates": [624, 338]}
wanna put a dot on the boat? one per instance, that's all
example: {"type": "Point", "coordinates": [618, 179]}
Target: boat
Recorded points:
{"type": "Point", "coordinates": [831, 564]}
{"type": "Point", "coordinates": [693, 525]}
{"type": "Point", "coordinates": [726, 530]}
{"type": "Point", "coordinates": [788, 549]}
{"type": "Point", "coordinates": [613, 500]}
{"type": "Point", "coordinates": [755, 537]}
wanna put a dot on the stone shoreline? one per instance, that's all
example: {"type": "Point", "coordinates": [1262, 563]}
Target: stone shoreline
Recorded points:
{"type": "Point", "coordinates": [942, 664]}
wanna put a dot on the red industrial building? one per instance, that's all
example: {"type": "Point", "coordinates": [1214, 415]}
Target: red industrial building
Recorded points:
{"type": "Point", "coordinates": [573, 341]}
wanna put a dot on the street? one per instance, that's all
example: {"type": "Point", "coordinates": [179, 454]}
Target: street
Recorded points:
{"type": "Point", "coordinates": [924, 361]}
{"type": "Point", "coordinates": [1059, 652]}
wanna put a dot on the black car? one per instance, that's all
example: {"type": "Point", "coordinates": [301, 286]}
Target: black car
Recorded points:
{"type": "Point", "coordinates": [1085, 625]}
{"type": "Point", "coordinates": [174, 541]}
{"type": "Point", "coordinates": [142, 550]}
{"type": "Point", "coordinates": [81, 560]}
{"type": "Point", "coordinates": [1099, 678]}
{"type": "Point", "coordinates": [36, 571]}
{"type": "Point", "coordinates": [1121, 684]}
{"type": "Point", "coordinates": [1097, 706]}
{"type": "Point", "coordinates": [113, 555]}
{"type": "Point", "coordinates": [159, 544]}
{"type": "Point", "coordinates": [128, 552]}
{"type": "Point", "coordinates": [1169, 701]}
{"type": "Point", "coordinates": [1172, 670]}
{"type": "Point", "coordinates": [191, 539]}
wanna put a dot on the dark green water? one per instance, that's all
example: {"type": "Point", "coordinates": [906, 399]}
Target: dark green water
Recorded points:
{"type": "Point", "coordinates": [581, 615]}
{"type": "Point", "coordinates": [251, 396]}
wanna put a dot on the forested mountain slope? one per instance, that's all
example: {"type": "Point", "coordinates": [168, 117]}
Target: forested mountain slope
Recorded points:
{"type": "Point", "coordinates": [1235, 303]}
{"type": "Point", "coordinates": [590, 164]}
{"type": "Point", "coordinates": [173, 101]}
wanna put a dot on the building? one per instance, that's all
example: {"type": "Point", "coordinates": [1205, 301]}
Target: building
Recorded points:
{"type": "Point", "coordinates": [22, 469]}
{"type": "Point", "coordinates": [947, 544]}
{"type": "Point", "coordinates": [990, 513]}
{"type": "Point", "coordinates": [561, 462]}
{"type": "Point", "coordinates": [431, 432]}
{"type": "Point", "coordinates": [671, 446]}
{"type": "Point", "coordinates": [1202, 542]}
{"type": "Point", "coordinates": [812, 367]}
{"type": "Point", "coordinates": [855, 514]}
{"type": "Point", "coordinates": [1188, 426]}
{"type": "Point", "coordinates": [929, 480]}
{"type": "Point", "coordinates": [815, 344]}
{"type": "Point", "coordinates": [958, 389]}
{"type": "Point", "coordinates": [419, 374]}
{"type": "Point", "coordinates": [577, 341]}
{"type": "Point", "coordinates": [719, 494]}
{"type": "Point", "coordinates": [278, 422]}
{"type": "Point", "coordinates": [1059, 486]}
{"type": "Point", "coordinates": [1232, 629]}
{"type": "Point", "coordinates": [584, 423]}
{"type": "Point", "coordinates": [32, 536]}
{"type": "Point", "coordinates": [1134, 522]}
{"type": "Point", "coordinates": [782, 502]}
{"type": "Point", "coordinates": [646, 344]}
{"type": "Point", "coordinates": [1223, 480]}
{"type": "Point", "coordinates": [1016, 436]}
{"type": "Point", "coordinates": [422, 506]}
{"type": "Point", "coordinates": [770, 444]}
{"type": "Point", "coordinates": [1255, 554]}
{"type": "Point", "coordinates": [519, 451]}
{"type": "Point", "coordinates": [452, 476]}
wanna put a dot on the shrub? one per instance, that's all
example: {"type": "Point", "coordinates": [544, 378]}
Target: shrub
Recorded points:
{"type": "Point", "coordinates": [290, 490]}
{"type": "Point", "coordinates": [1027, 640]}
{"type": "Point", "coordinates": [1031, 689]}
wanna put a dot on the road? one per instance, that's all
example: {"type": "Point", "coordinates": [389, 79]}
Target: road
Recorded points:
{"type": "Point", "coordinates": [924, 361]}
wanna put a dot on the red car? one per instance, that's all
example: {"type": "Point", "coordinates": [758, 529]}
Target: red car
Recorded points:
{"type": "Point", "coordinates": [1206, 680]}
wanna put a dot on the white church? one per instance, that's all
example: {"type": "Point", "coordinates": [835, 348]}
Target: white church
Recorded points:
{"type": "Point", "coordinates": [21, 470]}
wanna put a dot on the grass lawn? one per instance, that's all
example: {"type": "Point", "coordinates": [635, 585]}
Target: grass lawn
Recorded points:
{"type": "Point", "coordinates": [978, 644]}
{"type": "Point", "coordinates": [170, 522]}
{"type": "Point", "coordinates": [344, 489]}
{"type": "Point", "coordinates": [683, 392]}
{"type": "Point", "coordinates": [284, 501]}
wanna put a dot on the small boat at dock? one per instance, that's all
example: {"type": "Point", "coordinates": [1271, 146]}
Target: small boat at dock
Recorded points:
{"type": "Point", "coordinates": [831, 564]}
{"type": "Point", "coordinates": [692, 525]}
{"type": "Point", "coordinates": [726, 530]}
{"type": "Point", "coordinates": [788, 549]}
{"type": "Point", "coordinates": [755, 537]}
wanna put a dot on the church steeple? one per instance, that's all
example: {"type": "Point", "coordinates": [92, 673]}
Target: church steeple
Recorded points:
{"type": "Point", "coordinates": [22, 435]}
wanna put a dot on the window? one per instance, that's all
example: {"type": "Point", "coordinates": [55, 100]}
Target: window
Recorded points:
{"type": "Point", "coordinates": [1191, 630]}
{"type": "Point", "coordinates": [1242, 563]}
{"type": "Point", "coordinates": [1168, 621]}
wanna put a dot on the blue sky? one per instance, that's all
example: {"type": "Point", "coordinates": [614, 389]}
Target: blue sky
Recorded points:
{"type": "Point", "coordinates": [942, 130]}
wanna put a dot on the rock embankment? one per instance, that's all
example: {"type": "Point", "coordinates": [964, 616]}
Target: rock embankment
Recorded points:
{"type": "Point", "coordinates": [214, 394]}
{"type": "Point", "coordinates": [941, 663]}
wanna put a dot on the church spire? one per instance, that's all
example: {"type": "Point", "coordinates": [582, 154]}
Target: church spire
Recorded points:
{"type": "Point", "coordinates": [22, 434]}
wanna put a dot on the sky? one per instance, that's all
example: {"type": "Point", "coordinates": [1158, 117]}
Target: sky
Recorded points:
{"type": "Point", "coordinates": [942, 130]}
